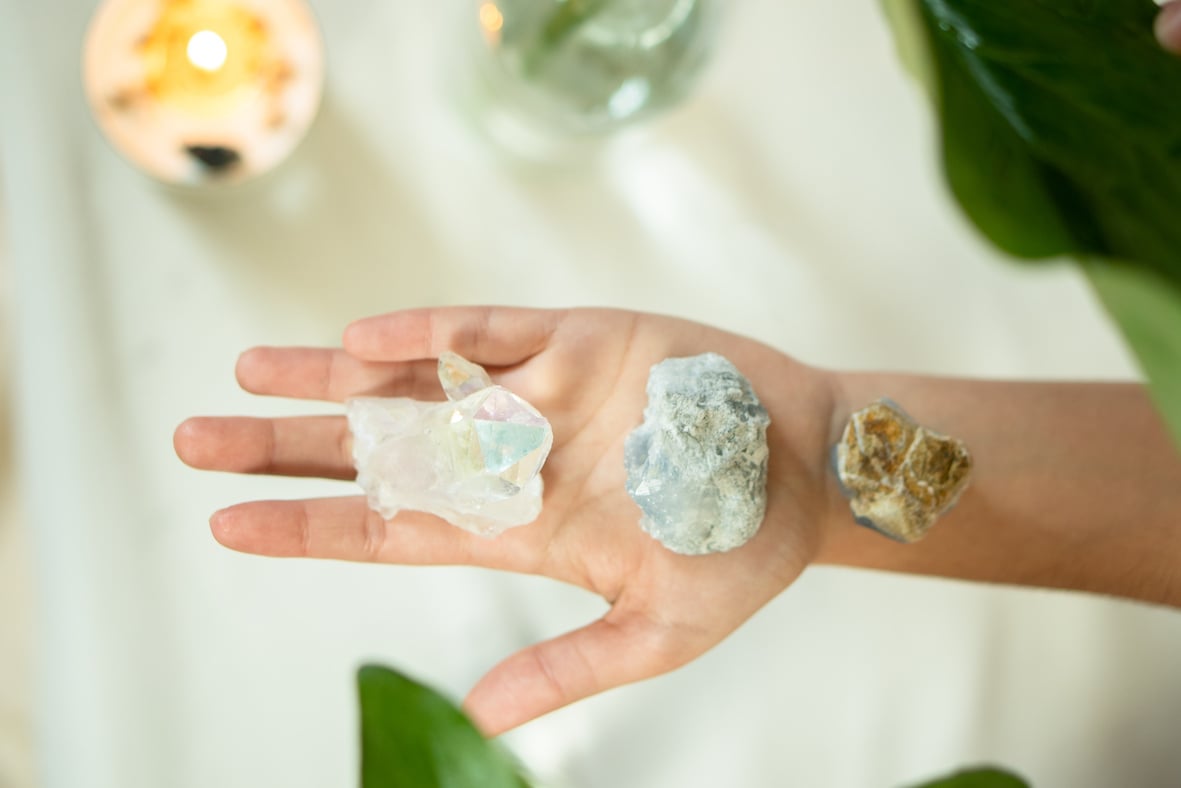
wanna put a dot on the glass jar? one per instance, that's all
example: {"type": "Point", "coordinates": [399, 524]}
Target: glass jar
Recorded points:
{"type": "Point", "coordinates": [552, 72]}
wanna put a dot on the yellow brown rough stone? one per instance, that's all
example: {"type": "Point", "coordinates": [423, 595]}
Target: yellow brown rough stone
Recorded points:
{"type": "Point", "coordinates": [899, 475]}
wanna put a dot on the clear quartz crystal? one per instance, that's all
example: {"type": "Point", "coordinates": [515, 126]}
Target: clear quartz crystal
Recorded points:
{"type": "Point", "coordinates": [461, 377]}
{"type": "Point", "coordinates": [474, 460]}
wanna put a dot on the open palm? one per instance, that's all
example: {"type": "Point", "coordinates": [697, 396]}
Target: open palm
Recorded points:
{"type": "Point", "coordinates": [586, 371]}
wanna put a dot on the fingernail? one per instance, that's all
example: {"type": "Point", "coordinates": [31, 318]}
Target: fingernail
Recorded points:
{"type": "Point", "coordinates": [1168, 27]}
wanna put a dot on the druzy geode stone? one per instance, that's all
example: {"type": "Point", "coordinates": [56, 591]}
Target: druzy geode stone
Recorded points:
{"type": "Point", "coordinates": [697, 466]}
{"type": "Point", "coordinates": [899, 475]}
{"type": "Point", "coordinates": [474, 460]}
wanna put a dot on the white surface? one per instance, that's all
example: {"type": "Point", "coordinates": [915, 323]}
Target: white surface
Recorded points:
{"type": "Point", "coordinates": [16, 756]}
{"type": "Point", "coordinates": [794, 200]}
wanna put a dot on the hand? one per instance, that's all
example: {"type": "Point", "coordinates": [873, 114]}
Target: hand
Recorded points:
{"type": "Point", "coordinates": [586, 370]}
{"type": "Point", "coordinates": [1168, 26]}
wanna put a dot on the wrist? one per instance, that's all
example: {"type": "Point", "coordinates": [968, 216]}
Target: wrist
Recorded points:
{"type": "Point", "coordinates": [803, 494]}
{"type": "Point", "coordinates": [843, 541]}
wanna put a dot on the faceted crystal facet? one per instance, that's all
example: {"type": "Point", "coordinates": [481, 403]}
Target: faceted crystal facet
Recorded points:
{"type": "Point", "coordinates": [474, 460]}
{"type": "Point", "coordinates": [697, 466]}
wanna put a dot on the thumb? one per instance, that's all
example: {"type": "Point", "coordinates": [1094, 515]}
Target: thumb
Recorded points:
{"type": "Point", "coordinates": [615, 650]}
{"type": "Point", "coordinates": [1168, 27]}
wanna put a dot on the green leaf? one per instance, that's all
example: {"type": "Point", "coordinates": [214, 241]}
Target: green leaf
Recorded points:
{"type": "Point", "coordinates": [564, 22]}
{"type": "Point", "coordinates": [1148, 310]}
{"type": "Point", "coordinates": [978, 778]}
{"type": "Point", "coordinates": [1061, 135]}
{"type": "Point", "coordinates": [413, 737]}
{"type": "Point", "coordinates": [911, 37]}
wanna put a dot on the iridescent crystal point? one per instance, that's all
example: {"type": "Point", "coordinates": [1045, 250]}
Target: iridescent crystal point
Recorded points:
{"type": "Point", "coordinates": [474, 460]}
{"type": "Point", "coordinates": [460, 377]}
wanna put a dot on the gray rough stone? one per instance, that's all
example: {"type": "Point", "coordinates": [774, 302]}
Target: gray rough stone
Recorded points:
{"type": "Point", "coordinates": [697, 466]}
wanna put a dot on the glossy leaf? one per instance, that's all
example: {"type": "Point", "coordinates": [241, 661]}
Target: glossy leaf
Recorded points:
{"type": "Point", "coordinates": [1061, 135]}
{"type": "Point", "coordinates": [413, 737]}
{"type": "Point", "coordinates": [1149, 312]}
{"type": "Point", "coordinates": [978, 778]}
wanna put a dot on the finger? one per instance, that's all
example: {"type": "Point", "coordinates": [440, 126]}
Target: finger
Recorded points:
{"type": "Point", "coordinates": [300, 446]}
{"type": "Point", "coordinates": [1168, 27]}
{"type": "Point", "coordinates": [332, 375]}
{"type": "Point", "coordinates": [492, 336]}
{"type": "Point", "coordinates": [615, 650]}
{"type": "Point", "coordinates": [346, 529]}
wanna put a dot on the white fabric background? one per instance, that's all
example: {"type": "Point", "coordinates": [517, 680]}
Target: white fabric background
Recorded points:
{"type": "Point", "coordinates": [795, 199]}
{"type": "Point", "coordinates": [16, 758]}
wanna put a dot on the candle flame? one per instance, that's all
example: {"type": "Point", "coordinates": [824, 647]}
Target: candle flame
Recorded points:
{"type": "Point", "coordinates": [491, 19]}
{"type": "Point", "coordinates": [207, 50]}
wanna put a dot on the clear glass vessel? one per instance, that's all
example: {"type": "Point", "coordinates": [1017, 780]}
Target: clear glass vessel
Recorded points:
{"type": "Point", "coordinates": [554, 70]}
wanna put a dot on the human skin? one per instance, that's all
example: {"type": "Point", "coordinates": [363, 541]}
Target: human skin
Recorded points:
{"type": "Point", "coordinates": [1168, 27]}
{"type": "Point", "coordinates": [1075, 485]}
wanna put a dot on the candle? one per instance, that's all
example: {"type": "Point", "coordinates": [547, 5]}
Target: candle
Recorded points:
{"type": "Point", "coordinates": [194, 91]}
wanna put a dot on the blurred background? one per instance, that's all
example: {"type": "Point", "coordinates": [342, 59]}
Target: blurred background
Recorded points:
{"type": "Point", "coordinates": [16, 603]}
{"type": "Point", "coordinates": [793, 196]}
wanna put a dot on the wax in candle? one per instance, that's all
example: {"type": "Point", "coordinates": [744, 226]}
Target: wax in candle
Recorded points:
{"type": "Point", "coordinates": [200, 90]}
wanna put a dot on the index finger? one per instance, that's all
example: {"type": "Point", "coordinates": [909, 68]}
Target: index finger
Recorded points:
{"type": "Point", "coordinates": [491, 336]}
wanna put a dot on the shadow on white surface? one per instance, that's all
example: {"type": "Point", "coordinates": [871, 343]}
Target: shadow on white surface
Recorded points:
{"type": "Point", "coordinates": [333, 221]}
